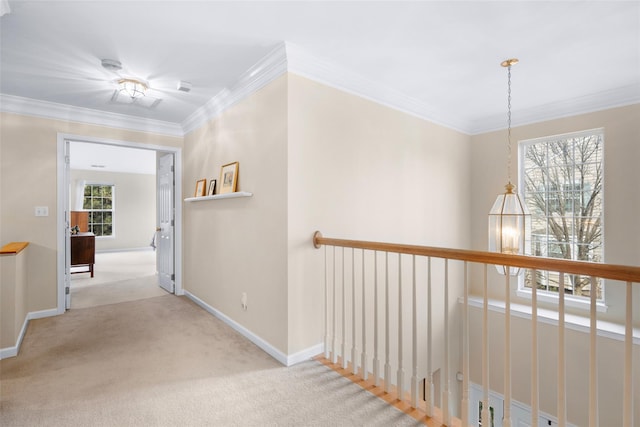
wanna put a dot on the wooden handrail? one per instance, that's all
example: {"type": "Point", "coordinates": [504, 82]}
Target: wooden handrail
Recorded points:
{"type": "Point", "coordinates": [13, 248]}
{"type": "Point", "coordinates": [606, 271]}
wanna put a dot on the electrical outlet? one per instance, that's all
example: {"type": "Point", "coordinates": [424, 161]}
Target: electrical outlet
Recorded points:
{"type": "Point", "coordinates": [243, 301]}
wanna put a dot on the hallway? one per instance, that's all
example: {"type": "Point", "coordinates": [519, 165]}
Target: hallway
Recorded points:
{"type": "Point", "coordinates": [164, 361]}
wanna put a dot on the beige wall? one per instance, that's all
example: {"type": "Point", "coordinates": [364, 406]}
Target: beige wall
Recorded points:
{"type": "Point", "coordinates": [135, 207]}
{"type": "Point", "coordinates": [28, 162]}
{"type": "Point", "coordinates": [240, 245]}
{"type": "Point", "coordinates": [621, 189]}
{"type": "Point", "coordinates": [360, 170]}
{"type": "Point", "coordinates": [315, 158]}
{"type": "Point", "coordinates": [13, 302]}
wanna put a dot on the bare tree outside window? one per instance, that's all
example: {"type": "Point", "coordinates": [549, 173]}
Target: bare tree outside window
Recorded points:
{"type": "Point", "coordinates": [98, 200]}
{"type": "Point", "coordinates": [563, 191]}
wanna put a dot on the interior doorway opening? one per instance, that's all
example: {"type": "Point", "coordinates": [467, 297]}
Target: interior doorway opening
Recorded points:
{"type": "Point", "coordinates": [118, 194]}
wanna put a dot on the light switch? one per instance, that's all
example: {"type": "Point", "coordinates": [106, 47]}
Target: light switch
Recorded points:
{"type": "Point", "coordinates": [42, 210]}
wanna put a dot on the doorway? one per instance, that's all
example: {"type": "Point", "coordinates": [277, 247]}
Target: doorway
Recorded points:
{"type": "Point", "coordinates": [138, 257]}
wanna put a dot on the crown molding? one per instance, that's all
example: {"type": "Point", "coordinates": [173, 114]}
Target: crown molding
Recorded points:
{"type": "Point", "coordinates": [618, 97]}
{"type": "Point", "coordinates": [331, 74]}
{"type": "Point", "coordinates": [266, 70]}
{"type": "Point", "coordinates": [55, 111]}
{"type": "Point", "coordinates": [287, 57]}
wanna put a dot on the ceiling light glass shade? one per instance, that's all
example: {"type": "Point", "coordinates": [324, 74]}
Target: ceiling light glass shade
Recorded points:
{"type": "Point", "coordinates": [509, 228]}
{"type": "Point", "coordinates": [133, 88]}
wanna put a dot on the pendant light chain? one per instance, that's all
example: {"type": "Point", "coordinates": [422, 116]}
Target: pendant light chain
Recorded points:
{"type": "Point", "coordinates": [509, 124]}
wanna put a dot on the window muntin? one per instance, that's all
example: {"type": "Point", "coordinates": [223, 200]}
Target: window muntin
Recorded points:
{"type": "Point", "coordinates": [98, 200]}
{"type": "Point", "coordinates": [562, 183]}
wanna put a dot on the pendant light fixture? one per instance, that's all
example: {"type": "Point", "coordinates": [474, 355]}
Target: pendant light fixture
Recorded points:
{"type": "Point", "coordinates": [509, 218]}
{"type": "Point", "coordinates": [133, 88]}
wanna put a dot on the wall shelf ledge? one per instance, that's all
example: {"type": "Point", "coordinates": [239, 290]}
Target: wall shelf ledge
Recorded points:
{"type": "Point", "coordinates": [219, 196]}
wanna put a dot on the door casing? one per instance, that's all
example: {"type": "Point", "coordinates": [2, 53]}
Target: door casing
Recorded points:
{"type": "Point", "coordinates": [62, 208]}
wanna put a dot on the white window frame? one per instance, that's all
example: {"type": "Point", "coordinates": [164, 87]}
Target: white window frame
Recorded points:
{"type": "Point", "coordinates": [549, 296]}
{"type": "Point", "coordinates": [113, 206]}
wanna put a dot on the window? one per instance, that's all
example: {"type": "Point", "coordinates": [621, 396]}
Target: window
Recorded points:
{"type": "Point", "coordinates": [561, 180]}
{"type": "Point", "coordinates": [98, 200]}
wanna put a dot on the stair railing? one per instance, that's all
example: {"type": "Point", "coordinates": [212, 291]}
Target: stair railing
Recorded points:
{"type": "Point", "coordinates": [374, 260]}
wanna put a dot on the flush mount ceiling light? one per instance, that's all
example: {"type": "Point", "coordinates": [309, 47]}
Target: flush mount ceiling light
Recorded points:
{"type": "Point", "coordinates": [509, 218]}
{"type": "Point", "coordinates": [134, 88]}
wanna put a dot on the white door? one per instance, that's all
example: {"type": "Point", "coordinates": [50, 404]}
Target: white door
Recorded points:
{"type": "Point", "coordinates": [164, 231]}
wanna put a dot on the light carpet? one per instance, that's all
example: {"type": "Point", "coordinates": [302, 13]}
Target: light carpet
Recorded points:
{"type": "Point", "coordinates": [118, 277]}
{"type": "Point", "coordinates": [166, 362]}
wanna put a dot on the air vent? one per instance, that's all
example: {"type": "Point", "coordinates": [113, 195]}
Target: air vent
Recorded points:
{"type": "Point", "coordinates": [184, 86]}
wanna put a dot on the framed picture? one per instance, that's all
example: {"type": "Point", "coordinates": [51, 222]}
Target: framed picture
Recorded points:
{"type": "Point", "coordinates": [228, 178]}
{"type": "Point", "coordinates": [212, 187]}
{"type": "Point", "coordinates": [201, 187]}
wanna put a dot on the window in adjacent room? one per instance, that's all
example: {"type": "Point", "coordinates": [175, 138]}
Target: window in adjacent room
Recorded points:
{"type": "Point", "coordinates": [98, 200]}
{"type": "Point", "coordinates": [561, 180]}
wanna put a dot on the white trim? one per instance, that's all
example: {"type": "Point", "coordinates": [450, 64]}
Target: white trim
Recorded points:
{"type": "Point", "coordinates": [142, 249]}
{"type": "Point", "coordinates": [13, 351]}
{"type": "Point", "coordinates": [287, 57]}
{"type": "Point", "coordinates": [176, 151]}
{"type": "Point", "coordinates": [305, 354]}
{"type": "Point", "coordinates": [550, 317]}
{"type": "Point", "coordinates": [570, 301]}
{"type": "Point", "coordinates": [69, 113]}
{"type": "Point", "coordinates": [614, 98]}
{"type": "Point", "coordinates": [333, 75]}
{"type": "Point", "coordinates": [264, 345]}
{"type": "Point", "coordinates": [287, 360]}
{"type": "Point", "coordinates": [266, 70]}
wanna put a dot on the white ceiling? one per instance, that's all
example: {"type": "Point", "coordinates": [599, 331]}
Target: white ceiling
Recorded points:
{"type": "Point", "coordinates": [443, 55]}
{"type": "Point", "coordinates": [110, 158]}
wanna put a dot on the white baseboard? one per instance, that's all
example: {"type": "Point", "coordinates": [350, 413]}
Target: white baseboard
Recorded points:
{"type": "Point", "coordinates": [141, 249]}
{"type": "Point", "coordinates": [305, 354]}
{"type": "Point", "coordinates": [264, 345]}
{"type": "Point", "coordinates": [13, 351]}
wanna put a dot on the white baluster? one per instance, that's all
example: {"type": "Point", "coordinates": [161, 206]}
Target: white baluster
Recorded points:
{"type": "Point", "coordinates": [414, 338]}
{"type": "Point", "coordinates": [562, 389]}
{"type": "Point", "coordinates": [534, 349]}
{"type": "Point", "coordinates": [627, 406]}
{"type": "Point", "coordinates": [428, 395]}
{"type": "Point", "coordinates": [376, 361]}
{"type": "Point", "coordinates": [387, 366]}
{"type": "Point", "coordinates": [334, 356]}
{"type": "Point", "coordinates": [354, 365]}
{"type": "Point", "coordinates": [400, 384]}
{"type": "Point", "coordinates": [506, 420]}
{"type": "Point", "coordinates": [465, 350]}
{"type": "Point", "coordinates": [593, 357]}
{"type": "Point", "coordinates": [363, 361]}
{"type": "Point", "coordinates": [445, 393]}
{"type": "Point", "coordinates": [485, 352]}
{"type": "Point", "coordinates": [326, 307]}
{"type": "Point", "coordinates": [344, 318]}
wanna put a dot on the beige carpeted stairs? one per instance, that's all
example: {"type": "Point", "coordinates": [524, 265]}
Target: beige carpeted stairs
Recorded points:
{"type": "Point", "coordinates": [166, 362]}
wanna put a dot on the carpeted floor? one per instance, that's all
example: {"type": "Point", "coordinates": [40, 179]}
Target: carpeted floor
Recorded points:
{"type": "Point", "coordinates": [118, 277]}
{"type": "Point", "coordinates": [164, 361]}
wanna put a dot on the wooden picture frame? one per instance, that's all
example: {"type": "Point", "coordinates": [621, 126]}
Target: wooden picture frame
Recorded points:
{"type": "Point", "coordinates": [229, 178]}
{"type": "Point", "coordinates": [201, 187]}
{"type": "Point", "coordinates": [212, 187]}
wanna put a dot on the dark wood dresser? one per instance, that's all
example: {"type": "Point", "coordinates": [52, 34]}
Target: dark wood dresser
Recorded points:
{"type": "Point", "coordinates": [83, 251]}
